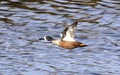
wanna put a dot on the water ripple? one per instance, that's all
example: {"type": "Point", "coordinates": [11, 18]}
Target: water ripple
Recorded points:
{"type": "Point", "coordinates": [23, 22]}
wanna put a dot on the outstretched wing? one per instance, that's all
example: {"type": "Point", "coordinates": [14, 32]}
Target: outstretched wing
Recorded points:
{"type": "Point", "coordinates": [68, 32]}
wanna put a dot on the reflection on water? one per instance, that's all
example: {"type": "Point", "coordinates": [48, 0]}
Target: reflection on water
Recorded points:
{"type": "Point", "coordinates": [23, 22]}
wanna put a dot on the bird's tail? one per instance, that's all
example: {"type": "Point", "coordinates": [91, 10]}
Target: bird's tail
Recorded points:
{"type": "Point", "coordinates": [82, 45]}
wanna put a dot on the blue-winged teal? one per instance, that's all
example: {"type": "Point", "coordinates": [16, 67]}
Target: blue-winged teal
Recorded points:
{"type": "Point", "coordinates": [67, 39]}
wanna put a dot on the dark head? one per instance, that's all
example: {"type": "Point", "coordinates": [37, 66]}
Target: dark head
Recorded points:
{"type": "Point", "coordinates": [47, 38]}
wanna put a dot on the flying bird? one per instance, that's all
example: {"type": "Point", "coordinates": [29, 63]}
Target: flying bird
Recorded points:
{"type": "Point", "coordinates": [67, 39]}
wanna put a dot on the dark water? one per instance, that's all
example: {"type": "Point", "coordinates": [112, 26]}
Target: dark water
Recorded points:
{"type": "Point", "coordinates": [23, 22]}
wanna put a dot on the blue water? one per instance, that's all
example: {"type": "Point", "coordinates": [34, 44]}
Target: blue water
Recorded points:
{"type": "Point", "coordinates": [23, 22]}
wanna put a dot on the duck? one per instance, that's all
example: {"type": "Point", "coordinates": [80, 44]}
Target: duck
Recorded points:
{"type": "Point", "coordinates": [67, 39]}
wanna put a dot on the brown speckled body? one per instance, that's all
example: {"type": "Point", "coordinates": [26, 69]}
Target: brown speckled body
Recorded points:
{"type": "Point", "coordinates": [71, 45]}
{"type": "Point", "coordinates": [68, 44]}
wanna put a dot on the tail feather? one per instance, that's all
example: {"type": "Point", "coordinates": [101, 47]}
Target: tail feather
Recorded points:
{"type": "Point", "coordinates": [82, 45]}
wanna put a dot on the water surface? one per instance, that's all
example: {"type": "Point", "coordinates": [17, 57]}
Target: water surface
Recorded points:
{"type": "Point", "coordinates": [23, 22]}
